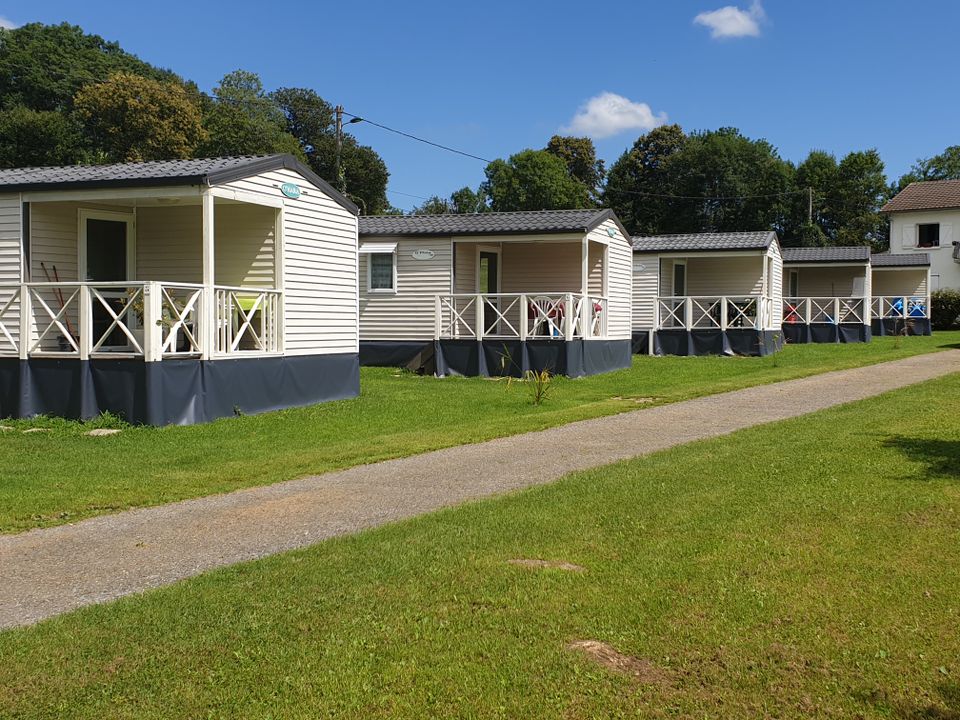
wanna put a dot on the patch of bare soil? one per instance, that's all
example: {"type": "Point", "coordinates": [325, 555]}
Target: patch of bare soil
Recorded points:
{"type": "Point", "coordinates": [549, 564]}
{"type": "Point", "coordinates": [607, 656]}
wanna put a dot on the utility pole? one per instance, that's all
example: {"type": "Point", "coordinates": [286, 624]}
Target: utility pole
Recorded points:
{"type": "Point", "coordinates": [341, 177]}
{"type": "Point", "coordinates": [809, 206]}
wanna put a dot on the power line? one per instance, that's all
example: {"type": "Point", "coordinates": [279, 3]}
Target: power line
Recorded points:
{"type": "Point", "coordinates": [419, 139]}
{"type": "Point", "coordinates": [717, 197]}
{"type": "Point", "coordinates": [418, 197]}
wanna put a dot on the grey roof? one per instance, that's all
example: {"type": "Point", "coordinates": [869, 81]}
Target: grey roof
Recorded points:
{"type": "Point", "coordinates": [900, 259]}
{"type": "Point", "coordinates": [843, 254]}
{"type": "Point", "coordinates": [205, 171]}
{"type": "Point", "coordinates": [704, 242]}
{"type": "Point", "coordinates": [491, 223]}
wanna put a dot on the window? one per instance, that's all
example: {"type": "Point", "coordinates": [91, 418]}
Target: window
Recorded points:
{"type": "Point", "coordinates": [381, 275]}
{"type": "Point", "coordinates": [794, 283]}
{"type": "Point", "coordinates": [928, 235]}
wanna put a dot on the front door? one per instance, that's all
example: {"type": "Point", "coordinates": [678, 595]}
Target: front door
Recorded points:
{"type": "Point", "coordinates": [107, 258]}
{"type": "Point", "coordinates": [489, 282]}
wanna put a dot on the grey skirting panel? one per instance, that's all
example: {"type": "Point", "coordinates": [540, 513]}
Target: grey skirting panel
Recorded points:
{"type": "Point", "coordinates": [800, 333]}
{"type": "Point", "coordinates": [500, 358]}
{"type": "Point", "coordinates": [172, 392]}
{"type": "Point", "coordinates": [901, 326]}
{"type": "Point", "coordinates": [734, 341]}
{"type": "Point", "coordinates": [394, 353]}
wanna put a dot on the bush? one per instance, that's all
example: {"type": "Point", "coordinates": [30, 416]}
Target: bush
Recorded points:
{"type": "Point", "coordinates": [945, 309]}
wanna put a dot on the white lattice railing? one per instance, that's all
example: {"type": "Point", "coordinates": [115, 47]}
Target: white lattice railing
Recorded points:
{"type": "Point", "coordinates": [832, 310]}
{"type": "Point", "coordinates": [717, 312]}
{"type": "Point", "coordinates": [521, 316]}
{"type": "Point", "coordinates": [901, 306]}
{"type": "Point", "coordinates": [147, 319]}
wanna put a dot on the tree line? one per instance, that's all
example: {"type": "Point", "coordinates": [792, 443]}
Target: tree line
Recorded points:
{"type": "Point", "coordinates": [67, 97]}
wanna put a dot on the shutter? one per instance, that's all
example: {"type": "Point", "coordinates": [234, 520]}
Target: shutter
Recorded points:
{"type": "Point", "coordinates": [946, 234]}
{"type": "Point", "coordinates": [909, 236]}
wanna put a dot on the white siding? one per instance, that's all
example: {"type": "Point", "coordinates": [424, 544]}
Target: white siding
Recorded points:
{"type": "Point", "coordinates": [541, 267]}
{"type": "Point", "coordinates": [409, 313]}
{"type": "Point", "coordinates": [53, 240]}
{"type": "Point", "coordinates": [775, 285]}
{"type": "Point", "coordinates": [595, 269]}
{"type": "Point", "coordinates": [465, 267]}
{"type": "Point", "coordinates": [10, 266]}
{"type": "Point", "coordinates": [733, 275]}
{"type": "Point", "coordinates": [170, 244]}
{"type": "Point", "coordinates": [646, 272]}
{"type": "Point", "coordinates": [945, 273]}
{"type": "Point", "coordinates": [900, 281]}
{"type": "Point", "coordinates": [244, 252]}
{"type": "Point", "coordinates": [321, 311]}
{"type": "Point", "coordinates": [827, 280]}
{"type": "Point", "coordinates": [619, 279]}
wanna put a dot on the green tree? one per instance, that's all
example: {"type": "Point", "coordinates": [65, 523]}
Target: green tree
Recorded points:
{"type": "Point", "coordinates": [580, 157]}
{"type": "Point", "coordinates": [43, 66]}
{"type": "Point", "coordinates": [244, 120]}
{"type": "Point", "coordinates": [310, 119]}
{"type": "Point", "coordinates": [945, 166]}
{"type": "Point", "coordinates": [533, 180]}
{"type": "Point", "coordinates": [133, 118]}
{"type": "Point", "coordinates": [434, 205]}
{"type": "Point", "coordinates": [466, 200]}
{"type": "Point", "coordinates": [31, 138]}
{"type": "Point", "coordinates": [861, 190]}
{"type": "Point", "coordinates": [643, 173]}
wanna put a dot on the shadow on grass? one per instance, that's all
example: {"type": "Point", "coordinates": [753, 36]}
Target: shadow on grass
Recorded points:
{"type": "Point", "coordinates": [941, 457]}
{"type": "Point", "coordinates": [947, 709]}
{"type": "Point", "coordinates": [949, 345]}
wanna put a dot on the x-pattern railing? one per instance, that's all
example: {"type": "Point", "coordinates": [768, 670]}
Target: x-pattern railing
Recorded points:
{"type": "Point", "coordinates": [181, 318]}
{"type": "Point", "coordinates": [56, 320]}
{"type": "Point", "coordinates": [248, 320]}
{"type": "Point", "coordinates": [499, 320]}
{"type": "Point", "coordinates": [456, 308]}
{"type": "Point", "coordinates": [120, 320]}
{"type": "Point", "coordinates": [520, 315]}
{"type": "Point", "coordinates": [711, 312]}
{"type": "Point", "coordinates": [900, 306]}
{"type": "Point", "coordinates": [831, 310]}
{"type": "Point", "coordinates": [10, 307]}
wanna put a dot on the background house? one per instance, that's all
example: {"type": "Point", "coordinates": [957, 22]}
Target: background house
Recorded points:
{"type": "Point", "coordinates": [496, 293]}
{"type": "Point", "coordinates": [707, 293]}
{"type": "Point", "coordinates": [922, 220]}
{"type": "Point", "coordinates": [177, 291]}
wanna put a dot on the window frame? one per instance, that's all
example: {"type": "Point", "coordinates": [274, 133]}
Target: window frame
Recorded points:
{"type": "Point", "coordinates": [922, 225]}
{"type": "Point", "coordinates": [393, 262]}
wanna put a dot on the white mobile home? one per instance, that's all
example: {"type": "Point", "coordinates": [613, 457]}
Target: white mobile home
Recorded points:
{"type": "Point", "coordinates": [707, 293]}
{"type": "Point", "coordinates": [176, 291]}
{"type": "Point", "coordinates": [923, 217]}
{"type": "Point", "coordinates": [828, 294]}
{"type": "Point", "coordinates": [496, 293]}
{"type": "Point", "coordinates": [901, 293]}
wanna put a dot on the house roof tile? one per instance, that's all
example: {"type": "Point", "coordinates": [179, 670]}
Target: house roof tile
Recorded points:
{"type": "Point", "coordinates": [900, 259]}
{"type": "Point", "coordinates": [843, 254]}
{"type": "Point", "coordinates": [926, 195]}
{"type": "Point", "coordinates": [704, 242]}
{"type": "Point", "coordinates": [491, 223]}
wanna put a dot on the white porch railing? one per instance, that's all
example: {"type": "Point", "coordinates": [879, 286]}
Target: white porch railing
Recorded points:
{"type": "Point", "coordinates": [520, 316]}
{"type": "Point", "coordinates": [717, 312]}
{"type": "Point", "coordinates": [141, 319]}
{"type": "Point", "coordinates": [832, 310]}
{"type": "Point", "coordinates": [901, 306]}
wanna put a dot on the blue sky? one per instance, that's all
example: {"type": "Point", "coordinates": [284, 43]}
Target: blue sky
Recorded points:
{"type": "Point", "coordinates": [496, 77]}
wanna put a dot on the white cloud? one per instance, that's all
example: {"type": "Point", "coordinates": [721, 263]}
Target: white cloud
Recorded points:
{"type": "Point", "coordinates": [732, 22]}
{"type": "Point", "coordinates": [608, 114]}
{"type": "Point", "coordinates": [7, 24]}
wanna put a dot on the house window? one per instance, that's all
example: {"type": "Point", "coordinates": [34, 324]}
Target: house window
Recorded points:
{"type": "Point", "coordinates": [382, 272]}
{"type": "Point", "coordinates": [928, 235]}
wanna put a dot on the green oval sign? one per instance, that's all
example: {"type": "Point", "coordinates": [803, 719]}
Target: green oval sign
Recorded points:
{"type": "Point", "coordinates": [291, 190]}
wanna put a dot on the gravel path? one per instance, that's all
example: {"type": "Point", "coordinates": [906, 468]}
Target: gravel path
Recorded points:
{"type": "Point", "coordinates": [50, 571]}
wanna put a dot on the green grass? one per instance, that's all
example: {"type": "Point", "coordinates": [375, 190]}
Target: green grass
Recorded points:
{"type": "Point", "coordinates": [806, 568]}
{"type": "Point", "coordinates": [62, 476]}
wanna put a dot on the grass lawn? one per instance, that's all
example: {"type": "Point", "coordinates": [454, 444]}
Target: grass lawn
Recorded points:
{"type": "Point", "coordinates": [801, 569]}
{"type": "Point", "coordinates": [48, 478]}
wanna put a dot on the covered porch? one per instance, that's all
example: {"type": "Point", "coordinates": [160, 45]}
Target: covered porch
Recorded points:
{"type": "Point", "coordinates": [901, 294]}
{"type": "Point", "coordinates": [827, 295]}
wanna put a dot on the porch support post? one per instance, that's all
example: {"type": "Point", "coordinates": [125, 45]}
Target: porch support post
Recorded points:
{"type": "Point", "coordinates": [806, 311]}
{"type": "Point", "coordinates": [480, 328]}
{"type": "Point", "coordinates": [723, 313]}
{"type": "Point", "coordinates": [568, 318]}
{"type": "Point", "coordinates": [836, 311]}
{"type": "Point", "coordinates": [26, 307]}
{"type": "Point", "coordinates": [688, 312]}
{"type": "Point", "coordinates": [585, 307]}
{"type": "Point", "coordinates": [524, 317]}
{"type": "Point", "coordinates": [437, 317]}
{"type": "Point", "coordinates": [208, 327]}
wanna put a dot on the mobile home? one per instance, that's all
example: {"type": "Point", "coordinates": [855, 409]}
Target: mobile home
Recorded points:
{"type": "Point", "coordinates": [176, 291]}
{"type": "Point", "coordinates": [901, 293]}
{"type": "Point", "coordinates": [496, 293]}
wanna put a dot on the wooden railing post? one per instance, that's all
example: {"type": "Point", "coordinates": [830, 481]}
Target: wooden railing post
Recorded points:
{"type": "Point", "coordinates": [437, 317]}
{"type": "Point", "coordinates": [153, 329]}
{"type": "Point", "coordinates": [586, 316]}
{"type": "Point", "coordinates": [478, 331]}
{"type": "Point", "coordinates": [524, 317]}
{"type": "Point", "coordinates": [26, 320]}
{"type": "Point", "coordinates": [806, 311]}
{"type": "Point", "coordinates": [85, 322]}
{"type": "Point", "coordinates": [688, 313]}
{"type": "Point", "coordinates": [836, 311]}
{"type": "Point", "coordinates": [724, 313]}
{"type": "Point", "coordinates": [568, 318]}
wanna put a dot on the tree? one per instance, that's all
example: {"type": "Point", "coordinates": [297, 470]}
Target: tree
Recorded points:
{"type": "Point", "coordinates": [861, 190]}
{"type": "Point", "coordinates": [43, 66]}
{"type": "Point", "coordinates": [533, 180]}
{"type": "Point", "coordinates": [466, 200]}
{"type": "Point", "coordinates": [640, 175]}
{"type": "Point", "coordinates": [244, 120]}
{"type": "Point", "coordinates": [31, 138]}
{"type": "Point", "coordinates": [945, 166]}
{"type": "Point", "coordinates": [580, 157]}
{"type": "Point", "coordinates": [310, 119]}
{"type": "Point", "coordinates": [133, 118]}
{"type": "Point", "coordinates": [434, 205]}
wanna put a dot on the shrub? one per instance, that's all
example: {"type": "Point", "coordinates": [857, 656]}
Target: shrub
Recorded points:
{"type": "Point", "coordinates": [945, 309]}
